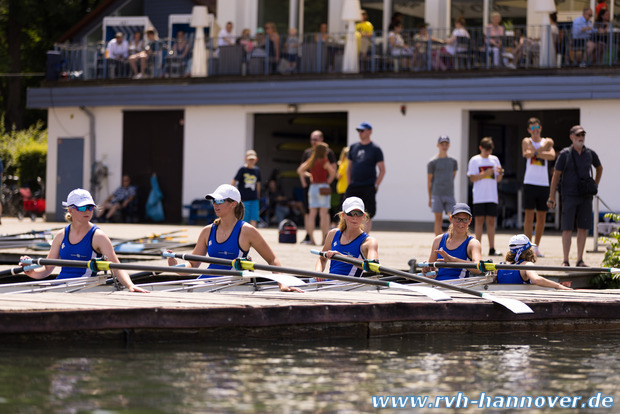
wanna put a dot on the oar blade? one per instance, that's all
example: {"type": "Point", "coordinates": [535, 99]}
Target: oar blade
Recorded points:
{"type": "Point", "coordinates": [287, 280]}
{"type": "Point", "coordinates": [434, 294]}
{"type": "Point", "coordinates": [514, 305]}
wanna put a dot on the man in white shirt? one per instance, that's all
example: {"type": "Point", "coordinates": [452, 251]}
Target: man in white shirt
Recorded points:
{"type": "Point", "coordinates": [485, 171]}
{"type": "Point", "coordinates": [226, 36]}
{"type": "Point", "coordinates": [118, 48]}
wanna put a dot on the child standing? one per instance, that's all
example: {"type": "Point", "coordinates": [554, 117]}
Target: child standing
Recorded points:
{"type": "Point", "coordinates": [441, 171]}
{"type": "Point", "coordinates": [248, 180]}
{"type": "Point", "coordinates": [485, 171]}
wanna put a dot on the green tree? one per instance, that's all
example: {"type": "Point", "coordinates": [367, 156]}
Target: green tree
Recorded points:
{"type": "Point", "coordinates": [28, 29]}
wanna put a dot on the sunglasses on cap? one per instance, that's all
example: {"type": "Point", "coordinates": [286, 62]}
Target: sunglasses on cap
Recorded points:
{"type": "Point", "coordinates": [84, 208]}
{"type": "Point", "coordinates": [355, 213]}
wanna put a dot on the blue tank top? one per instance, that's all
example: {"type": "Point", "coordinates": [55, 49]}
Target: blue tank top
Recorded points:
{"type": "Point", "coordinates": [512, 277]}
{"type": "Point", "coordinates": [460, 253]}
{"type": "Point", "coordinates": [229, 249]}
{"type": "Point", "coordinates": [83, 250]}
{"type": "Point", "coordinates": [353, 249]}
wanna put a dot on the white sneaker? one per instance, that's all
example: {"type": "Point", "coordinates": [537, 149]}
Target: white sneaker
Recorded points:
{"type": "Point", "coordinates": [538, 252]}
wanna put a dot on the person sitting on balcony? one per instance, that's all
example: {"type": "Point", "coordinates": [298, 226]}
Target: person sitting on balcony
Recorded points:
{"type": "Point", "coordinates": [150, 48]}
{"type": "Point", "coordinates": [494, 35]}
{"type": "Point", "coordinates": [420, 52]}
{"type": "Point", "coordinates": [226, 36]}
{"type": "Point", "coordinates": [398, 48]}
{"type": "Point", "coordinates": [180, 53]}
{"type": "Point", "coordinates": [452, 46]}
{"type": "Point", "coordinates": [582, 32]}
{"type": "Point", "coordinates": [136, 44]}
{"type": "Point", "coordinates": [118, 48]}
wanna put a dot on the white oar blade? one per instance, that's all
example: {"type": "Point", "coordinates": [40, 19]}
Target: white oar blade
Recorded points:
{"type": "Point", "coordinates": [287, 280]}
{"type": "Point", "coordinates": [514, 305]}
{"type": "Point", "coordinates": [434, 294]}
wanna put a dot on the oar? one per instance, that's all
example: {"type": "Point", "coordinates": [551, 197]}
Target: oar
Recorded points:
{"type": "Point", "coordinates": [150, 236]}
{"type": "Point", "coordinates": [16, 270]}
{"type": "Point", "coordinates": [514, 305]}
{"type": "Point", "coordinates": [100, 265]}
{"type": "Point", "coordinates": [31, 232]}
{"type": "Point", "coordinates": [241, 264]}
{"type": "Point", "coordinates": [489, 267]}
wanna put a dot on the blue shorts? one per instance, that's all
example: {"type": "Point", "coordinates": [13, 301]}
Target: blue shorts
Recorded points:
{"type": "Point", "coordinates": [441, 204]}
{"type": "Point", "coordinates": [316, 200]}
{"type": "Point", "coordinates": [251, 210]}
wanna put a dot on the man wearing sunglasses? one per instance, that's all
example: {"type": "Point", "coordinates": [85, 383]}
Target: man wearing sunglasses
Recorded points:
{"type": "Point", "coordinates": [574, 164]}
{"type": "Point", "coordinates": [537, 151]}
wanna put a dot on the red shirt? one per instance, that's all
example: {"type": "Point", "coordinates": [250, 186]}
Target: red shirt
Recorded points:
{"type": "Point", "coordinates": [319, 172]}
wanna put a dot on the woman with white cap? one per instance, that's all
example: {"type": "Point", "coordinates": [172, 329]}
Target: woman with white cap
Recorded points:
{"type": "Point", "coordinates": [229, 237]}
{"type": "Point", "coordinates": [348, 239]}
{"type": "Point", "coordinates": [456, 245]}
{"type": "Point", "coordinates": [81, 240]}
{"type": "Point", "coordinates": [522, 253]}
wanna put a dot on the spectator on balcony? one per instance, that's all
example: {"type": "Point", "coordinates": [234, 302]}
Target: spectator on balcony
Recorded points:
{"type": "Point", "coordinates": [398, 48]}
{"type": "Point", "coordinates": [226, 36]}
{"type": "Point", "coordinates": [602, 27]}
{"type": "Point", "coordinates": [420, 52]}
{"type": "Point", "coordinates": [364, 30]}
{"type": "Point", "coordinates": [452, 46]}
{"type": "Point", "coordinates": [261, 41]}
{"type": "Point", "coordinates": [323, 35]}
{"type": "Point", "coordinates": [582, 36]}
{"type": "Point", "coordinates": [245, 40]}
{"type": "Point", "coordinates": [494, 35]}
{"type": "Point", "coordinates": [290, 53]}
{"type": "Point", "coordinates": [118, 48]}
{"type": "Point", "coordinates": [273, 40]}
{"type": "Point", "coordinates": [180, 52]}
{"type": "Point", "coordinates": [150, 48]}
{"type": "Point", "coordinates": [602, 5]}
{"type": "Point", "coordinates": [136, 44]}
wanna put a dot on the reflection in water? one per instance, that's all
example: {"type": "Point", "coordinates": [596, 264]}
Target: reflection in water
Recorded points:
{"type": "Point", "coordinates": [303, 376]}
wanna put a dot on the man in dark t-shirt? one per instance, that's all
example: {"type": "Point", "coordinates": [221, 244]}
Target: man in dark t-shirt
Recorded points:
{"type": "Point", "coordinates": [573, 164]}
{"type": "Point", "coordinates": [365, 158]}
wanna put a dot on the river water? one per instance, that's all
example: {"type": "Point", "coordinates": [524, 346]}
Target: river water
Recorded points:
{"type": "Point", "coordinates": [318, 376]}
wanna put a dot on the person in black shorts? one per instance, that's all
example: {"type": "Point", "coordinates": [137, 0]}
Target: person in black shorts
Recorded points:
{"type": "Point", "coordinates": [365, 158]}
{"type": "Point", "coordinates": [575, 162]}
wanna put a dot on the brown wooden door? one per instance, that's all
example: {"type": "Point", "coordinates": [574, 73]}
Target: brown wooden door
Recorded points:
{"type": "Point", "coordinates": [153, 143]}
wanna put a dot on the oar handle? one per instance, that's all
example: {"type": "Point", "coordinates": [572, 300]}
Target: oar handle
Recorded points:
{"type": "Point", "coordinates": [506, 266]}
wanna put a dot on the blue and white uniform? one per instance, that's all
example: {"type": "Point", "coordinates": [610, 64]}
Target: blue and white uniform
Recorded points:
{"type": "Point", "coordinates": [83, 250]}
{"type": "Point", "coordinates": [352, 249]}
{"type": "Point", "coordinates": [460, 253]}
{"type": "Point", "coordinates": [512, 277]}
{"type": "Point", "coordinates": [229, 249]}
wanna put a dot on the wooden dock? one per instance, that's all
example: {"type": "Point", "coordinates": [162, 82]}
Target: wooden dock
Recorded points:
{"type": "Point", "coordinates": [167, 316]}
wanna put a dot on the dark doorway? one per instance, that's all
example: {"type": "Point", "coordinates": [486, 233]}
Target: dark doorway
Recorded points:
{"type": "Point", "coordinates": [280, 140]}
{"type": "Point", "coordinates": [508, 128]}
{"type": "Point", "coordinates": [153, 144]}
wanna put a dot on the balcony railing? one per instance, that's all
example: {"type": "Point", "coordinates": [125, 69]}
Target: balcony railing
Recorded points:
{"type": "Point", "coordinates": [315, 53]}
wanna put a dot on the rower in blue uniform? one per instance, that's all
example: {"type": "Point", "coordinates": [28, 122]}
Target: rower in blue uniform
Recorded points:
{"type": "Point", "coordinates": [348, 239]}
{"type": "Point", "coordinates": [455, 246]}
{"type": "Point", "coordinates": [81, 240]}
{"type": "Point", "coordinates": [522, 253]}
{"type": "Point", "coordinates": [229, 237]}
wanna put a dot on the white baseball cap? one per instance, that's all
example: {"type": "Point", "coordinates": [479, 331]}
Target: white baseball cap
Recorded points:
{"type": "Point", "coordinates": [225, 191]}
{"type": "Point", "coordinates": [518, 240]}
{"type": "Point", "coordinates": [352, 203]}
{"type": "Point", "coordinates": [79, 197]}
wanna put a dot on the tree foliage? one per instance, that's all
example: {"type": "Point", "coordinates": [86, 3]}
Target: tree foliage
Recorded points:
{"type": "Point", "coordinates": [612, 259]}
{"type": "Point", "coordinates": [28, 29]}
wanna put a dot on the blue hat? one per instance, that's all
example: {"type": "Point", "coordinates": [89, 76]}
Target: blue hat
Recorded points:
{"type": "Point", "coordinates": [461, 208]}
{"type": "Point", "coordinates": [443, 138]}
{"type": "Point", "coordinates": [363, 126]}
